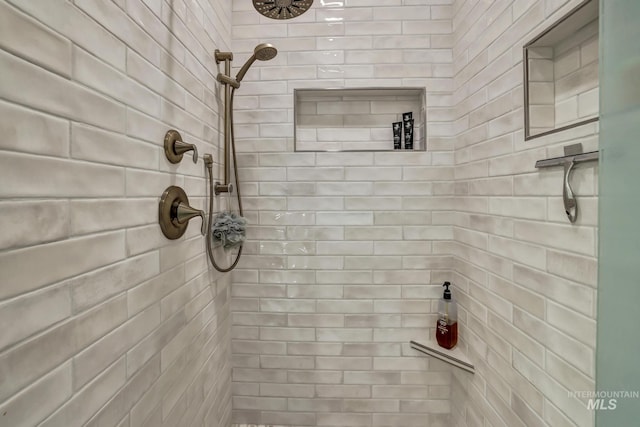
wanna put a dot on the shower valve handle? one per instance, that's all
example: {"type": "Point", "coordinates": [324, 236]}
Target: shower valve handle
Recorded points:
{"type": "Point", "coordinates": [184, 213]}
{"type": "Point", "coordinates": [182, 147]}
{"type": "Point", "coordinates": [174, 213]}
{"type": "Point", "coordinates": [174, 148]}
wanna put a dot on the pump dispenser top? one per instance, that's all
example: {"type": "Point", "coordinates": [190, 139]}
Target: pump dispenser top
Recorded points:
{"type": "Point", "coordinates": [447, 292]}
{"type": "Point", "coordinates": [447, 325]}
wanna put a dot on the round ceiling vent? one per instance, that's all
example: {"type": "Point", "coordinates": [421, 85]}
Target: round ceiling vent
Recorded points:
{"type": "Point", "coordinates": [282, 9]}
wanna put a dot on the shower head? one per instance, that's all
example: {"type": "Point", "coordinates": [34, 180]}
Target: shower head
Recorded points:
{"type": "Point", "coordinates": [263, 52]}
{"type": "Point", "coordinates": [282, 9]}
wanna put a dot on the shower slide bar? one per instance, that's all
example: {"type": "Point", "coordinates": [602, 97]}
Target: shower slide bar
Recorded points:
{"type": "Point", "coordinates": [572, 155]}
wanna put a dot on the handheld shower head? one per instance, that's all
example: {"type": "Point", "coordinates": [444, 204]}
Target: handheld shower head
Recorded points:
{"type": "Point", "coordinates": [263, 52]}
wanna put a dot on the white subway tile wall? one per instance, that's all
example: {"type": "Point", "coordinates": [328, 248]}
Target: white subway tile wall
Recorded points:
{"type": "Point", "coordinates": [108, 323]}
{"type": "Point", "coordinates": [526, 277]}
{"type": "Point", "coordinates": [105, 321]}
{"type": "Point", "coordinates": [341, 270]}
{"type": "Point", "coordinates": [348, 250]}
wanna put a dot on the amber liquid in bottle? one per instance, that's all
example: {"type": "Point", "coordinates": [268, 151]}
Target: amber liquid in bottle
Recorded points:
{"type": "Point", "coordinates": [446, 334]}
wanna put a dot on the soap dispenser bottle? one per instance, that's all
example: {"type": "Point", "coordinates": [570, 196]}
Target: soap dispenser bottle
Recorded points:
{"type": "Point", "coordinates": [447, 326]}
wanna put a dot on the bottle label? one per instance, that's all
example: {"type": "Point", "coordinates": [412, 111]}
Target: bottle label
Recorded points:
{"type": "Point", "coordinates": [443, 328]}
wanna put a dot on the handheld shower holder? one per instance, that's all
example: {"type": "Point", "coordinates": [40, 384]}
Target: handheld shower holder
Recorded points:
{"type": "Point", "coordinates": [222, 188]}
{"type": "Point", "coordinates": [221, 56]}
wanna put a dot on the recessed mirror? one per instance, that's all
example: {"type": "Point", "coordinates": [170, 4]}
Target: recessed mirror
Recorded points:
{"type": "Point", "coordinates": [561, 73]}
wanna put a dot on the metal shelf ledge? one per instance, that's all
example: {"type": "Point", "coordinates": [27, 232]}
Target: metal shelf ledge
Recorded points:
{"type": "Point", "coordinates": [455, 356]}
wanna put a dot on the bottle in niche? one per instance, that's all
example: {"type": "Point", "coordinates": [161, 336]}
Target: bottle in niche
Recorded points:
{"type": "Point", "coordinates": [397, 135]}
{"type": "Point", "coordinates": [407, 119]}
{"type": "Point", "coordinates": [447, 325]}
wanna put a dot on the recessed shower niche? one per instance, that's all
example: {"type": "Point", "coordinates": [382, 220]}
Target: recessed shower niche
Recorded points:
{"type": "Point", "coordinates": [561, 73]}
{"type": "Point", "coordinates": [359, 119]}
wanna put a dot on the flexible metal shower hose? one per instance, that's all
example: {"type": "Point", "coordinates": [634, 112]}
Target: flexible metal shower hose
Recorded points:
{"type": "Point", "coordinates": [235, 172]}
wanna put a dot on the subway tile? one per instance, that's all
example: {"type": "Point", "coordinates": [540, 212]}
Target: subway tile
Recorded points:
{"type": "Point", "coordinates": [153, 290]}
{"type": "Point", "coordinates": [263, 403]}
{"type": "Point", "coordinates": [382, 262]}
{"type": "Point", "coordinates": [344, 334]}
{"type": "Point", "coordinates": [314, 291]}
{"type": "Point", "coordinates": [89, 252]}
{"type": "Point", "coordinates": [315, 377]}
{"type": "Point", "coordinates": [400, 391]}
{"type": "Point", "coordinates": [518, 295]}
{"type": "Point", "coordinates": [72, 23]}
{"type": "Point", "coordinates": [344, 188]}
{"type": "Point", "coordinates": [117, 22]}
{"type": "Point", "coordinates": [343, 419]}
{"type": "Point", "coordinates": [51, 391]}
{"type": "Point", "coordinates": [344, 306]}
{"type": "Point", "coordinates": [287, 334]}
{"type": "Point", "coordinates": [345, 248]}
{"type": "Point", "coordinates": [576, 325]}
{"type": "Point", "coordinates": [369, 292]}
{"type": "Point", "coordinates": [25, 363]}
{"type": "Point", "coordinates": [127, 396]}
{"type": "Point", "coordinates": [560, 236]}
{"type": "Point", "coordinates": [89, 70]}
{"type": "Point", "coordinates": [581, 356]}
{"type": "Point", "coordinates": [99, 355]}
{"type": "Point", "coordinates": [27, 223]}
{"type": "Point", "coordinates": [372, 349]}
{"type": "Point", "coordinates": [573, 267]}
{"type": "Point", "coordinates": [31, 40]}
{"type": "Point", "coordinates": [30, 131]}
{"type": "Point", "coordinates": [38, 310]}
{"type": "Point", "coordinates": [554, 392]}
{"type": "Point", "coordinates": [287, 390]}
{"type": "Point", "coordinates": [52, 177]}
{"type": "Point", "coordinates": [287, 362]}
{"type": "Point", "coordinates": [90, 216]}
{"type": "Point", "coordinates": [80, 408]}
{"type": "Point", "coordinates": [36, 88]}
{"type": "Point", "coordinates": [99, 146]}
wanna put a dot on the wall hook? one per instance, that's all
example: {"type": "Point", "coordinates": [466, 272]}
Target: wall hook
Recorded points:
{"type": "Point", "coordinates": [570, 203]}
{"type": "Point", "coordinates": [572, 155]}
{"type": "Point", "coordinates": [174, 148]}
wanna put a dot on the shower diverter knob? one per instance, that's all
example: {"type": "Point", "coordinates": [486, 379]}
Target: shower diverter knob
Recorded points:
{"type": "Point", "coordinates": [174, 148]}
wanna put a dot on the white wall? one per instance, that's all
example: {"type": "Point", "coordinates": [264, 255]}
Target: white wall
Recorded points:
{"type": "Point", "coordinates": [104, 321]}
{"type": "Point", "coordinates": [529, 277]}
{"type": "Point", "coordinates": [111, 324]}
{"type": "Point", "coordinates": [348, 252]}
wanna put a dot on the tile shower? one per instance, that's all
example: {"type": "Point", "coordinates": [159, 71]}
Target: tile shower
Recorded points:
{"type": "Point", "coordinates": [105, 322]}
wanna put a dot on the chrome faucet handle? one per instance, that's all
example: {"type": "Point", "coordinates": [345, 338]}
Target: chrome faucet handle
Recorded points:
{"type": "Point", "coordinates": [174, 148]}
{"type": "Point", "coordinates": [185, 212]}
